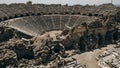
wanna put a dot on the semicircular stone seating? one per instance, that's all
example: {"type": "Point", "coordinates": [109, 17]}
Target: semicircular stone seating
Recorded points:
{"type": "Point", "coordinates": [38, 24]}
{"type": "Point", "coordinates": [38, 18]}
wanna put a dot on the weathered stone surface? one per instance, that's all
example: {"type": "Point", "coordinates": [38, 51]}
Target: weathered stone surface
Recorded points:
{"type": "Point", "coordinates": [7, 57]}
{"type": "Point", "coordinates": [84, 28]}
{"type": "Point", "coordinates": [110, 58]}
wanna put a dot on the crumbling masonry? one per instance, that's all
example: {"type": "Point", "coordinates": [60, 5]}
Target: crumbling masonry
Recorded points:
{"type": "Point", "coordinates": [23, 29]}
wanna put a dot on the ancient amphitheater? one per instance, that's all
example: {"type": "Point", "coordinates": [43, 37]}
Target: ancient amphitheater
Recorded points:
{"type": "Point", "coordinates": [46, 36]}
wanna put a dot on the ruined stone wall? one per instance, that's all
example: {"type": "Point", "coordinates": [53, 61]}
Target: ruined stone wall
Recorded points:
{"type": "Point", "coordinates": [97, 27]}
{"type": "Point", "coordinates": [20, 10]}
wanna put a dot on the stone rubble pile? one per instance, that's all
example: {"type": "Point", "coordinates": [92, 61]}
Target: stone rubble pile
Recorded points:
{"type": "Point", "coordinates": [74, 64]}
{"type": "Point", "coordinates": [110, 58]}
{"type": "Point", "coordinates": [71, 63]}
{"type": "Point", "coordinates": [23, 54]}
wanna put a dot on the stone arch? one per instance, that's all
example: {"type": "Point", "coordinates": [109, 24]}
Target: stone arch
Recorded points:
{"type": "Point", "coordinates": [27, 14]}
{"type": "Point", "coordinates": [90, 14]}
{"type": "Point", "coordinates": [95, 14]}
{"type": "Point", "coordinates": [66, 12]}
{"type": "Point", "coordinates": [56, 13]}
{"type": "Point", "coordinates": [33, 14]}
{"type": "Point", "coordinates": [84, 14]}
{"type": "Point", "coordinates": [21, 15]}
{"type": "Point", "coordinates": [0, 19]}
{"type": "Point", "coordinates": [10, 17]}
{"type": "Point", "coordinates": [38, 13]}
{"type": "Point", "coordinates": [62, 13]}
{"type": "Point", "coordinates": [50, 13]}
{"type": "Point", "coordinates": [79, 13]}
{"type": "Point", "coordinates": [15, 16]}
{"type": "Point", "coordinates": [5, 18]}
{"type": "Point", "coordinates": [72, 13]}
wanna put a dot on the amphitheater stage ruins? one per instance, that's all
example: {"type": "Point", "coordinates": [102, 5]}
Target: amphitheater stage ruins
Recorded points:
{"type": "Point", "coordinates": [59, 36]}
